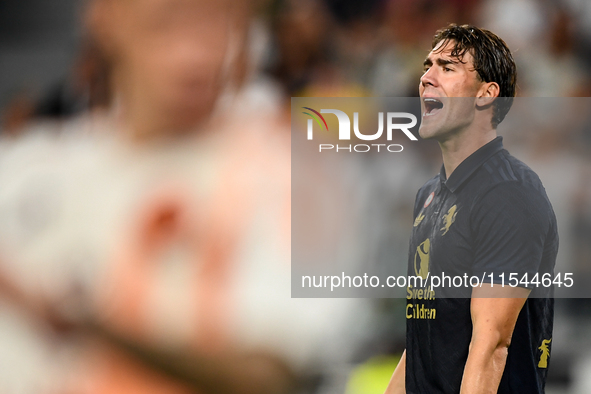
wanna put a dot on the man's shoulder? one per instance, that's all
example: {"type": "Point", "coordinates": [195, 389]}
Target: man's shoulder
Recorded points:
{"type": "Point", "coordinates": [503, 173]}
{"type": "Point", "coordinates": [508, 183]}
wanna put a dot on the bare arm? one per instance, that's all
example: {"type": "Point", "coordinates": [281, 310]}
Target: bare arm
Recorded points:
{"type": "Point", "coordinates": [397, 381]}
{"type": "Point", "coordinates": [493, 321]}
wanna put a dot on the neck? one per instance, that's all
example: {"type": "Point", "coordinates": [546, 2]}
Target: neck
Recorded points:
{"type": "Point", "coordinates": [457, 148]}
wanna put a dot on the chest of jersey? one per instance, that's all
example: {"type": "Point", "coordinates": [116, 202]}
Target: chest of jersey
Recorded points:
{"type": "Point", "coordinates": [441, 241]}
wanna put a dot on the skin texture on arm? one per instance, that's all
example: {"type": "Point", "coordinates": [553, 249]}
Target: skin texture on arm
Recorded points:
{"type": "Point", "coordinates": [494, 314]}
{"type": "Point", "coordinates": [397, 383]}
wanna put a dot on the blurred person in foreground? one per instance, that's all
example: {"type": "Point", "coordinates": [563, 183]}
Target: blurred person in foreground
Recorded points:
{"type": "Point", "coordinates": [156, 236]}
{"type": "Point", "coordinates": [485, 213]}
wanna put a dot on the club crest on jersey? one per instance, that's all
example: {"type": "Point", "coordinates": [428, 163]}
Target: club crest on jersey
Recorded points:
{"type": "Point", "coordinates": [448, 219]}
{"type": "Point", "coordinates": [429, 199]}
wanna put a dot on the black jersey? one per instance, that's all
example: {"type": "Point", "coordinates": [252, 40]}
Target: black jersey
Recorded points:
{"type": "Point", "coordinates": [490, 220]}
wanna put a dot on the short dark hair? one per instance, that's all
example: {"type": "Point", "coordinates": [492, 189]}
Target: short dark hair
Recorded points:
{"type": "Point", "coordinates": [493, 61]}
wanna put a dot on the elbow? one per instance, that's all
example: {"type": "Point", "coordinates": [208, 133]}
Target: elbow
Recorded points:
{"type": "Point", "coordinates": [504, 342]}
{"type": "Point", "coordinates": [499, 349]}
{"type": "Point", "coordinates": [502, 349]}
{"type": "Point", "coordinates": [500, 353]}
{"type": "Point", "coordinates": [491, 342]}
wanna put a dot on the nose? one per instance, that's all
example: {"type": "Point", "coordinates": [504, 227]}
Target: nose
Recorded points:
{"type": "Point", "coordinates": [429, 77]}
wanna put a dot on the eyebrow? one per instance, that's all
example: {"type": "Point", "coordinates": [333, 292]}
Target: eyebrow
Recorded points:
{"type": "Point", "coordinates": [440, 62]}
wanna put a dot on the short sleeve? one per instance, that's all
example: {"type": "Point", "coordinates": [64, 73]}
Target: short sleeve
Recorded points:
{"type": "Point", "coordinates": [510, 224]}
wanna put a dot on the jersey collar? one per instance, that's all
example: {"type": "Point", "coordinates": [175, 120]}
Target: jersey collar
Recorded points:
{"type": "Point", "coordinates": [470, 165]}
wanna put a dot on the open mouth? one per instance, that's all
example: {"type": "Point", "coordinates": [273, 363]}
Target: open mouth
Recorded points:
{"type": "Point", "coordinates": [432, 106]}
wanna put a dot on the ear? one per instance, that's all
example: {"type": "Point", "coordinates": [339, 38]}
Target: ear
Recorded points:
{"type": "Point", "coordinates": [487, 94]}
